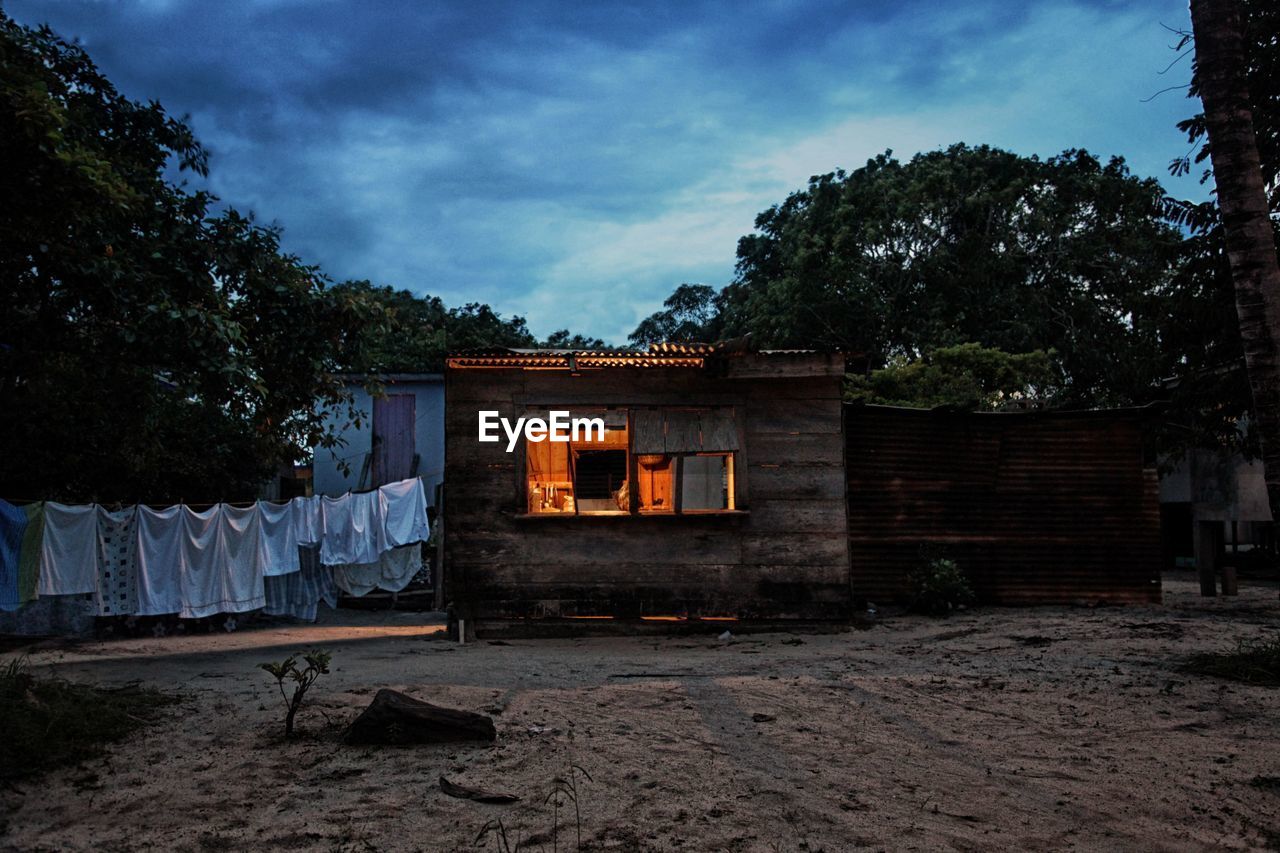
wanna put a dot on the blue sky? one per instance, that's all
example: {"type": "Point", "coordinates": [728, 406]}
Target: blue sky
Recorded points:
{"type": "Point", "coordinates": [573, 162]}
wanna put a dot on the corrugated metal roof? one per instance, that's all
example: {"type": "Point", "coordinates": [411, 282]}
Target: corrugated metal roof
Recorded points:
{"type": "Point", "coordinates": [571, 360]}
{"type": "Point", "coordinates": [666, 354]}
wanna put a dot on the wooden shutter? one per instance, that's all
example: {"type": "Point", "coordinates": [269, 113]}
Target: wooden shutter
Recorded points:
{"type": "Point", "coordinates": [393, 438]}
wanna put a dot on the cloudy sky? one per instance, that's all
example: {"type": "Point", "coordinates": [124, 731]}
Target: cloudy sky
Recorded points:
{"type": "Point", "coordinates": [573, 161]}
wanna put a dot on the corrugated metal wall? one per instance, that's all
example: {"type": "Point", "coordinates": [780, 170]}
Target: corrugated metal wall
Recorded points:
{"type": "Point", "coordinates": [1037, 508]}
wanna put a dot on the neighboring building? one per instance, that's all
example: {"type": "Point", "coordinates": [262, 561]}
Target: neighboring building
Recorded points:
{"type": "Point", "coordinates": [1214, 505]}
{"type": "Point", "coordinates": [1038, 507]}
{"type": "Point", "coordinates": [731, 484]}
{"type": "Point", "coordinates": [401, 435]}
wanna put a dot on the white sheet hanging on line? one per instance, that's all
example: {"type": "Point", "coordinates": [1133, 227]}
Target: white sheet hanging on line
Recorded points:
{"type": "Point", "coordinates": [69, 550]}
{"type": "Point", "coordinates": [222, 567]}
{"type": "Point", "coordinates": [353, 531]}
{"type": "Point", "coordinates": [201, 563]}
{"type": "Point", "coordinates": [391, 572]}
{"type": "Point", "coordinates": [278, 538]}
{"type": "Point", "coordinates": [306, 520]}
{"type": "Point", "coordinates": [242, 587]}
{"type": "Point", "coordinates": [162, 536]}
{"type": "Point", "coordinates": [404, 512]}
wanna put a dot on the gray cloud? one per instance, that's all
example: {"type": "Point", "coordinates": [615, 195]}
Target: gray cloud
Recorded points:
{"type": "Point", "coordinates": [575, 161]}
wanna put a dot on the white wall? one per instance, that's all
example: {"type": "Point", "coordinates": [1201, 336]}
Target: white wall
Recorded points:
{"type": "Point", "coordinates": [1220, 486]}
{"type": "Point", "coordinates": [428, 438]}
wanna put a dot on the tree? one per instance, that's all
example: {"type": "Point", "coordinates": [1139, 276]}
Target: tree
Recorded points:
{"type": "Point", "coordinates": [413, 338]}
{"type": "Point", "coordinates": [420, 331]}
{"type": "Point", "coordinates": [968, 376]}
{"type": "Point", "coordinates": [563, 340]}
{"type": "Point", "coordinates": [1262, 81]}
{"type": "Point", "coordinates": [1222, 81]}
{"type": "Point", "coordinates": [690, 313]}
{"type": "Point", "coordinates": [1212, 390]}
{"type": "Point", "coordinates": [968, 245]}
{"type": "Point", "coordinates": [898, 261]}
{"type": "Point", "coordinates": [149, 350]}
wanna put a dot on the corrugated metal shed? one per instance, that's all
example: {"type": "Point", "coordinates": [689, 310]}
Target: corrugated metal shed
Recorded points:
{"type": "Point", "coordinates": [1046, 507]}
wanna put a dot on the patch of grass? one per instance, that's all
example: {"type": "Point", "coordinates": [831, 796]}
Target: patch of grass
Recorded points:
{"type": "Point", "coordinates": [49, 723]}
{"type": "Point", "coordinates": [1255, 661]}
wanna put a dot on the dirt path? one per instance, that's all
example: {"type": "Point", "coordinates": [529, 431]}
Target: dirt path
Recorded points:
{"type": "Point", "coordinates": [1042, 729]}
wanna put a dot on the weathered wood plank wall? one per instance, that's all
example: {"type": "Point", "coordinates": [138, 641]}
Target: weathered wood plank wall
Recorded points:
{"type": "Point", "coordinates": [1037, 508]}
{"type": "Point", "coordinates": [785, 558]}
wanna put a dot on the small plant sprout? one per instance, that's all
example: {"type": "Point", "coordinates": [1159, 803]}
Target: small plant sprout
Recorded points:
{"type": "Point", "coordinates": [568, 789]}
{"type": "Point", "coordinates": [317, 664]}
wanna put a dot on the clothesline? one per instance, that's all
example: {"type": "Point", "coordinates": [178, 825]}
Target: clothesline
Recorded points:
{"type": "Point", "coordinates": [138, 560]}
{"type": "Point", "coordinates": [206, 504]}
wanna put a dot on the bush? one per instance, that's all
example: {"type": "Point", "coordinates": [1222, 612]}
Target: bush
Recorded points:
{"type": "Point", "coordinates": [53, 723]}
{"type": "Point", "coordinates": [939, 586]}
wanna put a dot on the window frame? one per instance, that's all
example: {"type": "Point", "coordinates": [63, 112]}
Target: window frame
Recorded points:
{"type": "Point", "coordinates": [735, 497]}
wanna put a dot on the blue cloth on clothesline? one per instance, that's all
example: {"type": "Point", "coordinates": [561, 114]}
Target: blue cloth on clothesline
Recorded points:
{"type": "Point", "coordinates": [13, 523]}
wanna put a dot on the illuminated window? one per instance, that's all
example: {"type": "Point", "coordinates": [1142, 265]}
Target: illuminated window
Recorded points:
{"type": "Point", "coordinates": [651, 460]}
{"type": "Point", "coordinates": [584, 476]}
{"type": "Point", "coordinates": [654, 478]}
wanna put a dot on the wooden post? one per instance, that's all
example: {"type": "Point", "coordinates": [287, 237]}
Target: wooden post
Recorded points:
{"type": "Point", "coordinates": [438, 580]}
{"type": "Point", "coordinates": [1230, 586]}
{"type": "Point", "coordinates": [1208, 540]}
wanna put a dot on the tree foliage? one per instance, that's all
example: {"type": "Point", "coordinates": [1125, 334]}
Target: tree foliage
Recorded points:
{"type": "Point", "coordinates": [968, 376]}
{"type": "Point", "coordinates": [1212, 386]}
{"type": "Point", "coordinates": [690, 313]}
{"type": "Point", "coordinates": [1072, 260]}
{"type": "Point", "coordinates": [1262, 77]}
{"type": "Point", "coordinates": [151, 348]}
{"type": "Point", "coordinates": [967, 245]}
{"type": "Point", "coordinates": [421, 330]}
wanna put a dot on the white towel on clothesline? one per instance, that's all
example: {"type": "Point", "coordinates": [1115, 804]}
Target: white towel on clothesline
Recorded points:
{"type": "Point", "coordinates": [221, 567]}
{"type": "Point", "coordinates": [278, 538]}
{"type": "Point", "coordinates": [69, 550]}
{"type": "Point", "coordinates": [404, 512]}
{"type": "Point", "coordinates": [162, 538]}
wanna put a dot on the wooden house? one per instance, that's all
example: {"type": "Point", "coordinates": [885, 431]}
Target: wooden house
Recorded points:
{"type": "Point", "coordinates": [725, 484]}
{"type": "Point", "coordinates": [716, 492]}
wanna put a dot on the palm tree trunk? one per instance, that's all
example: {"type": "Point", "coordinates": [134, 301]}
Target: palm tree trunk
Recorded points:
{"type": "Point", "coordinates": [1242, 200]}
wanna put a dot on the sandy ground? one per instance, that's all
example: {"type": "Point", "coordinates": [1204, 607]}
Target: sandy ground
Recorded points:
{"type": "Point", "coordinates": [1027, 729]}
